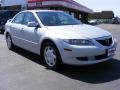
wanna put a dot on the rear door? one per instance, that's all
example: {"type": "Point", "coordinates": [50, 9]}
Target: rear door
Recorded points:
{"type": "Point", "coordinates": [16, 29]}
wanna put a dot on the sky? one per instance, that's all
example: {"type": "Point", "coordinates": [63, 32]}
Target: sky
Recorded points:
{"type": "Point", "coordinates": [100, 5]}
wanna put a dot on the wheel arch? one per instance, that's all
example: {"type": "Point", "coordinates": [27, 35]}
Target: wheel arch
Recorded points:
{"type": "Point", "coordinates": [44, 41]}
{"type": "Point", "coordinates": [54, 41]}
{"type": "Point", "coordinates": [56, 46]}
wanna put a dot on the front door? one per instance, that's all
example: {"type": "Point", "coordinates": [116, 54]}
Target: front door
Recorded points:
{"type": "Point", "coordinates": [31, 34]}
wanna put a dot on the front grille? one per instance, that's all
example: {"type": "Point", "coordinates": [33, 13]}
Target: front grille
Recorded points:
{"type": "Point", "coordinates": [105, 42]}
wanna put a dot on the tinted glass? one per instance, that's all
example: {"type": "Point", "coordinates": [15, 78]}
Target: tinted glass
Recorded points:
{"type": "Point", "coordinates": [29, 17]}
{"type": "Point", "coordinates": [19, 18]}
{"type": "Point", "coordinates": [56, 19]}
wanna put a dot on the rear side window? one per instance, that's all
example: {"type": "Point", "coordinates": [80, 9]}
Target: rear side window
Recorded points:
{"type": "Point", "coordinates": [19, 18]}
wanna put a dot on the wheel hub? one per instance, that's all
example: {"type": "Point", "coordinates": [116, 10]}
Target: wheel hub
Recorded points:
{"type": "Point", "coordinates": [50, 56]}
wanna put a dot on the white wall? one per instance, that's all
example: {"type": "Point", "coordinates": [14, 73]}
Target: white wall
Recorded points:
{"type": "Point", "coordinates": [13, 2]}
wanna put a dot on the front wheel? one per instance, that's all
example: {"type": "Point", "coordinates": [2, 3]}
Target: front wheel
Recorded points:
{"type": "Point", "coordinates": [51, 56]}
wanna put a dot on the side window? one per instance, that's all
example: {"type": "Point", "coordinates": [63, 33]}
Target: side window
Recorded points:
{"type": "Point", "coordinates": [29, 17]}
{"type": "Point", "coordinates": [19, 18]}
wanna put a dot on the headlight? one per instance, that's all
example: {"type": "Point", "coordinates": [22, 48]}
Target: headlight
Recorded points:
{"type": "Point", "coordinates": [78, 42]}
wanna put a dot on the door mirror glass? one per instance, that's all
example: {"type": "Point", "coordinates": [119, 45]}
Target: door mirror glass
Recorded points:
{"type": "Point", "coordinates": [32, 24]}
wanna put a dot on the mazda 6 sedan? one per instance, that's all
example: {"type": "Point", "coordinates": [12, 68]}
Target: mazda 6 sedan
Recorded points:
{"type": "Point", "coordinates": [59, 38]}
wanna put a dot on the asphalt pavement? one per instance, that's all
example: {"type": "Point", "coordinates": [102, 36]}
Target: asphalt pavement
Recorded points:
{"type": "Point", "coordinates": [22, 70]}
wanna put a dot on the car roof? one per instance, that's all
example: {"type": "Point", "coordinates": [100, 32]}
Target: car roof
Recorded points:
{"type": "Point", "coordinates": [41, 11]}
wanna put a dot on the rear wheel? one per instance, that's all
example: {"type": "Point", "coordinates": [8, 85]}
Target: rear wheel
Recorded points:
{"type": "Point", "coordinates": [9, 42]}
{"type": "Point", "coordinates": [51, 56]}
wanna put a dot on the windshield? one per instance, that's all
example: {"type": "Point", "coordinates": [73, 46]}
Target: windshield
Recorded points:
{"type": "Point", "coordinates": [57, 19]}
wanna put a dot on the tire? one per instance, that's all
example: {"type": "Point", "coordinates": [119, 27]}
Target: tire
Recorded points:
{"type": "Point", "coordinates": [9, 42]}
{"type": "Point", "coordinates": [51, 56]}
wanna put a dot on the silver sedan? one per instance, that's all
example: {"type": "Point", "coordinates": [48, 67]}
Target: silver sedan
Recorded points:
{"type": "Point", "coordinates": [59, 38]}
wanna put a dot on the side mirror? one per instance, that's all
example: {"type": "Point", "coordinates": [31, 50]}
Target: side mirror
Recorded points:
{"type": "Point", "coordinates": [32, 24]}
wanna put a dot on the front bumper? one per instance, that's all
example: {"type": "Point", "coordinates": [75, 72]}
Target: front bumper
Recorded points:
{"type": "Point", "coordinates": [85, 55]}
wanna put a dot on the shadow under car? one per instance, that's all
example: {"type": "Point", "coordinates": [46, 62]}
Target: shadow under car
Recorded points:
{"type": "Point", "coordinates": [94, 74]}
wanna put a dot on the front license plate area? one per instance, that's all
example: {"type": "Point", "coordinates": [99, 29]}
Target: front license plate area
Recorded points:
{"type": "Point", "coordinates": [111, 51]}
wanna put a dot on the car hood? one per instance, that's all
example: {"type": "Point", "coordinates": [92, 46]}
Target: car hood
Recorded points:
{"type": "Point", "coordinates": [77, 31]}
